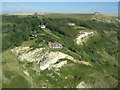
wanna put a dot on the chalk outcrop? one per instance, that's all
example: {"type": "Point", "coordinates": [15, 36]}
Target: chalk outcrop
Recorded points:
{"type": "Point", "coordinates": [83, 85]}
{"type": "Point", "coordinates": [83, 36]}
{"type": "Point", "coordinates": [51, 58]}
{"type": "Point", "coordinates": [45, 59]}
{"type": "Point", "coordinates": [26, 53]}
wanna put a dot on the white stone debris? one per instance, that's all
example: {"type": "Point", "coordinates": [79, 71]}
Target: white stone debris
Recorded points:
{"type": "Point", "coordinates": [86, 63]}
{"type": "Point", "coordinates": [83, 36]}
{"type": "Point", "coordinates": [25, 53]}
{"type": "Point", "coordinates": [83, 85]}
{"type": "Point", "coordinates": [45, 59]}
{"type": "Point", "coordinates": [65, 77]}
{"type": "Point", "coordinates": [59, 65]}
{"type": "Point", "coordinates": [26, 72]}
{"type": "Point", "coordinates": [118, 20]}
{"type": "Point", "coordinates": [52, 58]}
{"type": "Point", "coordinates": [71, 24]}
{"type": "Point", "coordinates": [57, 73]}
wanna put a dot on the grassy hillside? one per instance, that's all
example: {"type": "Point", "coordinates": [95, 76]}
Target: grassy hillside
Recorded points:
{"type": "Point", "coordinates": [100, 50]}
{"type": "Point", "coordinates": [13, 75]}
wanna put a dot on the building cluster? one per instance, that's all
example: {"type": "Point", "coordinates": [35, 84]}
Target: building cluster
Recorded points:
{"type": "Point", "coordinates": [55, 45]}
{"type": "Point", "coordinates": [71, 24]}
{"type": "Point", "coordinates": [42, 26]}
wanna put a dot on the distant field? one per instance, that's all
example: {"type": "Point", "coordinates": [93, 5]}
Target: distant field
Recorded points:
{"type": "Point", "coordinates": [110, 15]}
{"type": "Point", "coordinates": [77, 16]}
{"type": "Point", "coordinates": [61, 15]}
{"type": "Point", "coordinates": [68, 15]}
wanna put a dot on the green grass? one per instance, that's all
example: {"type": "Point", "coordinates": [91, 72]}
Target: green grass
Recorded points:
{"type": "Point", "coordinates": [66, 51]}
{"type": "Point", "coordinates": [7, 23]}
{"type": "Point", "coordinates": [12, 71]}
{"type": "Point", "coordinates": [0, 35]}
{"type": "Point", "coordinates": [28, 43]}
{"type": "Point", "coordinates": [4, 35]}
{"type": "Point", "coordinates": [17, 82]}
{"type": "Point", "coordinates": [76, 16]}
{"type": "Point", "coordinates": [49, 32]}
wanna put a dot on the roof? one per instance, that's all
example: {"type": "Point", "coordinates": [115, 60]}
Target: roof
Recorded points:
{"type": "Point", "coordinates": [97, 12]}
{"type": "Point", "coordinates": [53, 43]}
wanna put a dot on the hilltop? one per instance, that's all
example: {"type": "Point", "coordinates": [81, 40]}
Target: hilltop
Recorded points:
{"type": "Point", "coordinates": [85, 55]}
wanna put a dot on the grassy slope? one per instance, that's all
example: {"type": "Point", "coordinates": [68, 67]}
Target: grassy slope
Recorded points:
{"type": "Point", "coordinates": [13, 75]}
{"type": "Point", "coordinates": [102, 74]}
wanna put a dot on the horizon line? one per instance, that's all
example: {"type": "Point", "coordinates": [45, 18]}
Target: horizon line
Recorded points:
{"type": "Point", "coordinates": [43, 13]}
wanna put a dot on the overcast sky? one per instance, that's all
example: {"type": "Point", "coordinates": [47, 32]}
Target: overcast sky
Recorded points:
{"type": "Point", "coordinates": [61, 7]}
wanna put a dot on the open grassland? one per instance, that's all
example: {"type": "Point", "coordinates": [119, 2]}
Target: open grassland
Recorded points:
{"type": "Point", "coordinates": [13, 75]}
{"type": "Point", "coordinates": [77, 16]}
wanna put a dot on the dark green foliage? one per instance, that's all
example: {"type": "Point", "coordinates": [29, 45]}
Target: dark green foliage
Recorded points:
{"type": "Point", "coordinates": [18, 29]}
{"type": "Point", "coordinates": [61, 26]}
{"type": "Point", "coordinates": [99, 26]}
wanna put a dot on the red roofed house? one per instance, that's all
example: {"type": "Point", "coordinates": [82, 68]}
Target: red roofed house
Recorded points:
{"type": "Point", "coordinates": [97, 13]}
{"type": "Point", "coordinates": [55, 45]}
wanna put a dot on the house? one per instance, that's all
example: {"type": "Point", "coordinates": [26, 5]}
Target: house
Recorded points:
{"type": "Point", "coordinates": [40, 44]}
{"type": "Point", "coordinates": [55, 45]}
{"type": "Point", "coordinates": [71, 24]}
{"type": "Point", "coordinates": [97, 13]}
{"type": "Point", "coordinates": [42, 26]}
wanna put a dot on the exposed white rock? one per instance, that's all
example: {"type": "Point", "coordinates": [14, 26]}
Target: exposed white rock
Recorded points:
{"type": "Point", "coordinates": [83, 85]}
{"type": "Point", "coordinates": [52, 58]}
{"type": "Point", "coordinates": [65, 77]}
{"type": "Point", "coordinates": [59, 65]}
{"type": "Point", "coordinates": [26, 72]}
{"type": "Point", "coordinates": [26, 53]}
{"type": "Point", "coordinates": [83, 36]}
{"type": "Point", "coordinates": [118, 20]}
{"type": "Point", "coordinates": [85, 63]}
{"type": "Point", "coordinates": [20, 50]}
{"type": "Point", "coordinates": [45, 60]}
{"type": "Point", "coordinates": [71, 24]}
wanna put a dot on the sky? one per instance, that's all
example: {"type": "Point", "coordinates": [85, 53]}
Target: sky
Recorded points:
{"type": "Point", "coordinates": [60, 7]}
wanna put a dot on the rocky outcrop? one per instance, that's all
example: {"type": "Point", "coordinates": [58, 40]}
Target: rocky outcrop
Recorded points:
{"type": "Point", "coordinates": [83, 85]}
{"type": "Point", "coordinates": [26, 72]}
{"type": "Point", "coordinates": [83, 36]}
{"type": "Point", "coordinates": [26, 53]}
{"type": "Point", "coordinates": [57, 66]}
{"type": "Point", "coordinates": [51, 58]}
{"type": "Point", "coordinates": [45, 59]}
